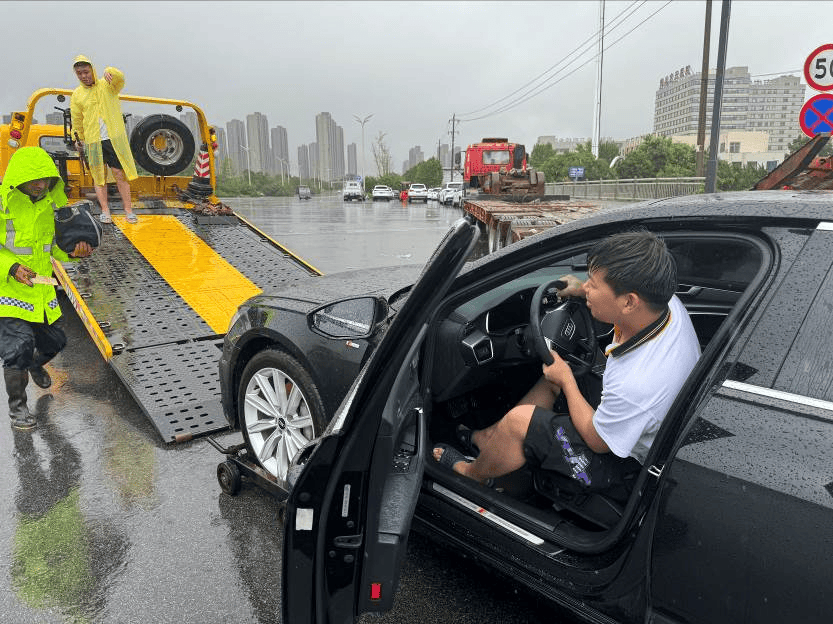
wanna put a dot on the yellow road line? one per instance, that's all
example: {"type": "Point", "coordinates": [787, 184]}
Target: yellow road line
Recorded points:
{"type": "Point", "coordinates": [203, 278]}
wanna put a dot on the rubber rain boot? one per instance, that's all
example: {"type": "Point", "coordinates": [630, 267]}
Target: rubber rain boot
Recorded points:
{"type": "Point", "coordinates": [39, 374]}
{"type": "Point", "coordinates": [16, 382]}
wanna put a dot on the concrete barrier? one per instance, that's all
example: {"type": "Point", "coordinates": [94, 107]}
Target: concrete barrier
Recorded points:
{"type": "Point", "coordinates": [631, 189]}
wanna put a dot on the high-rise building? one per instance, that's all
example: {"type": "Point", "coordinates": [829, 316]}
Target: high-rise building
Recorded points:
{"type": "Point", "coordinates": [236, 132]}
{"type": "Point", "coordinates": [314, 164]}
{"type": "Point", "coordinates": [330, 142]}
{"type": "Point", "coordinates": [303, 162]}
{"type": "Point", "coordinates": [352, 164]}
{"type": "Point", "coordinates": [189, 118]}
{"type": "Point", "coordinates": [770, 106]}
{"type": "Point", "coordinates": [443, 157]}
{"type": "Point", "coordinates": [257, 133]}
{"type": "Point", "coordinates": [280, 150]}
{"type": "Point", "coordinates": [415, 156]}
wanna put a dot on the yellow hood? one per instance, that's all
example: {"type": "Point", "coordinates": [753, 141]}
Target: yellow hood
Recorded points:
{"type": "Point", "coordinates": [83, 59]}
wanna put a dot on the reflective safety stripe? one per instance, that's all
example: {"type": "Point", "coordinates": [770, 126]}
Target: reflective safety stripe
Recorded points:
{"type": "Point", "coordinates": [47, 248]}
{"type": "Point", "coordinates": [203, 278]}
{"type": "Point", "coordinates": [53, 304]}
{"type": "Point", "coordinates": [10, 234]}
{"type": "Point", "coordinates": [17, 303]}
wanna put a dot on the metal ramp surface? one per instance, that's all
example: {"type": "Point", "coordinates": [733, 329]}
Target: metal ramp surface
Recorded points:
{"type": "Point", "coordinates": [159, 345]}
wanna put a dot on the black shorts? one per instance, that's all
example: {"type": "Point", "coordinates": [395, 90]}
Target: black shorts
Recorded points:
{"type": "Point", "coordinates": [553, 444]}
{"type": "Point", "coordinates": [111, 159]}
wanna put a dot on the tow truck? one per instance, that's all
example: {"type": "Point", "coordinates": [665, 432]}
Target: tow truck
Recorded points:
{"type": "Point", "coordinates": [157, 296]}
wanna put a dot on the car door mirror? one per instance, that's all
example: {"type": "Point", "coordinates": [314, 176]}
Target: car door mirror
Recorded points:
{"type": "Point", "coordinates": [349, 318]}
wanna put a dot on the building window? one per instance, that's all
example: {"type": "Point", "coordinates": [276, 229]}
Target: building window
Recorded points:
{"type": "Point", "coordinates": [734, 147]}
{"type": "Point", "coordinates": [722, 147]}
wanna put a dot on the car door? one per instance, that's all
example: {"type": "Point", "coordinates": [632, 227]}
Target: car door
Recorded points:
{"type": "Point", "coordinates": [349, 512]}
{"type": "Point", "coordinates": [744, 517]}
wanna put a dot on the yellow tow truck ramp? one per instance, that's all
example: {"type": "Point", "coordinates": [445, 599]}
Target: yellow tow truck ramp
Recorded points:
{"type": "Point", "coordinates": [157, 297]}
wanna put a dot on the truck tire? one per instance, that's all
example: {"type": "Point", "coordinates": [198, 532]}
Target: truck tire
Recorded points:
{"type": "Point", "coordinates": [162, 145]}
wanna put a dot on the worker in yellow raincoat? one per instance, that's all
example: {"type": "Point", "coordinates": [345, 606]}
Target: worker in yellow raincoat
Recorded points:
{"type": "Point", "coordinates": [97, 118]}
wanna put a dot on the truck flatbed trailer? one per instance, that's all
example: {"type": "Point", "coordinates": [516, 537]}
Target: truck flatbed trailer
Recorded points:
{"type": "Point", "coordinates": [507, 221]}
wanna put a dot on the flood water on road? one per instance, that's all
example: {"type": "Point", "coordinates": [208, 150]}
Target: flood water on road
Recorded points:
{"type": "Point", "coordinates": [334, 235]}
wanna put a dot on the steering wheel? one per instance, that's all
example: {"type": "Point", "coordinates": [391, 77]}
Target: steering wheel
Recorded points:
{"type": "Point", "coordinates": [567, 329]}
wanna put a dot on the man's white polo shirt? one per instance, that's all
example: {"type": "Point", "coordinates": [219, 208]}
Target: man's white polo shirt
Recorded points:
{"type": "Point", "coordinates": [641, 379]}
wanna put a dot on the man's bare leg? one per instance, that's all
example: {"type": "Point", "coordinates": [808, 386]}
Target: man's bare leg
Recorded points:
{"type": "Point", "coordinates": [124, 190]}
{"type": "Point", "coordinates": [501, 444]}
{"type": "Point", "coordinates": [101, 194]}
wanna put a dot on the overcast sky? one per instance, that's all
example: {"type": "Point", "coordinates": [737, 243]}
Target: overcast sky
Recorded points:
{"type": "Point", "coordinates": [412, 65]}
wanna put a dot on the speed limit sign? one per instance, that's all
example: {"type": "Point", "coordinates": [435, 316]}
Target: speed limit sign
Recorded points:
{"type": "Point", "coordinates": [818, 68]}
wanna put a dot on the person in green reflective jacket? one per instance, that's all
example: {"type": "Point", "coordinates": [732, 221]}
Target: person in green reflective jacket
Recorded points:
{"type": "Point", "coordinates": [30, 193]}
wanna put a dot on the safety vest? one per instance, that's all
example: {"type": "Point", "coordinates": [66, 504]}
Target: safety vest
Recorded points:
{"type": "Point", "coordinates": [27, 236]}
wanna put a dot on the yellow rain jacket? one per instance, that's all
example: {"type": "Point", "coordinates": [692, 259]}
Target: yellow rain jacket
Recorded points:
{"type": "Point", "coordinates": [101, 101]}
{"type": "Point", "coordinates": [27, 236]}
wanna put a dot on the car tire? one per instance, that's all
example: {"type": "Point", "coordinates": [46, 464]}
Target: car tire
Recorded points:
{"type": "Point", "coordinates": [272, 433]}
{"type": "Point", "coordinates": [162, 145]}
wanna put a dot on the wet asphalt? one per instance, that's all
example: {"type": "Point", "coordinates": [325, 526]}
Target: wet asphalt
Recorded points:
{"type": "Point", "coordinates": [101, 521]}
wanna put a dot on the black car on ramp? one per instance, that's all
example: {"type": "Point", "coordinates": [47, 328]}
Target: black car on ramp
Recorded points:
{"type": "Point", "coordinates": [731, 516]}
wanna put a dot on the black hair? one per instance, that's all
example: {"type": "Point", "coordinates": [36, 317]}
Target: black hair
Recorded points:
{"type": "Point", "coordinates": [81, 64]}
{"type": "Point", "coordinates": [636, 261]}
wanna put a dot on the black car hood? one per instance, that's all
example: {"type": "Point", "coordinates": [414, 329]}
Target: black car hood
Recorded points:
{"type": "Point", "coordinates": [314, 291]}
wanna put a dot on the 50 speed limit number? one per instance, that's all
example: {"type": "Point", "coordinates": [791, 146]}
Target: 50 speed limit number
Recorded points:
{"type": "Point", "coordinates": [818, 68]}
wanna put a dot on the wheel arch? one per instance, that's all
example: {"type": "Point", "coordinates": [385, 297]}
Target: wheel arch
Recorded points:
{"type": "Point", "coordinates": [262, 342]}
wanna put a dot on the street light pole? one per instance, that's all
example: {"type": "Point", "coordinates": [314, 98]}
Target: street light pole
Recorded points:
{"type": "Point", "coordinates": [248, 163]}
{"type": "Point", "coordinates": [362, 122]}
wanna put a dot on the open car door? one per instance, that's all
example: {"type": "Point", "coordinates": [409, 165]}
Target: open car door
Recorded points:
{"type": "Point", "coordinates": [350, 508]}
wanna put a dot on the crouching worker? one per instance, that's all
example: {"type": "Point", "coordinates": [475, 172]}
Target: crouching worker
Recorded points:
{"type": "Point", "coordinates": [30, 193]}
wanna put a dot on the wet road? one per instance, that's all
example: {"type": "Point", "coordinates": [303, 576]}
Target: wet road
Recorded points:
{"type": "Point", "coordinates": [100, 521]}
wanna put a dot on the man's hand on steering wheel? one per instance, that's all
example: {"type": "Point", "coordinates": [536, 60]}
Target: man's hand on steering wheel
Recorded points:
{"type": "Point", "coordinates": [574, 287]}
{"type": "Point", "coordinates": [559, 372]}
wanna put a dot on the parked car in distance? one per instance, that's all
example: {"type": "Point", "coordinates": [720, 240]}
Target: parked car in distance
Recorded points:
{"type": "Point", "coordinates": [382, 192]}
{"type": "Point", "coordinates": [418, 192]}
{"type": "Point", "coordinates": [433, 193]}
{"type": "Point", "coordinates": [728, 519]}
{"type": "Point", "coordinates": [352, 190]}
{"type": "Point", "coordinates": [445, 194]}
{"type": "Point", "coordinates": [304, 192]}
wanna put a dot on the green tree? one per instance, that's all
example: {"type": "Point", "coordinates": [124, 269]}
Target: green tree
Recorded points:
{"type": "Point", "coordinates": [658, 157]}
{"type": "Point", "coordinates": [540, 154]}
{"type": "Point", "coordinates": [738, 177]}
{"type": "Point", "coordinates": [801, 140]}
{"type": "Point", "coordinates": [429, 173]}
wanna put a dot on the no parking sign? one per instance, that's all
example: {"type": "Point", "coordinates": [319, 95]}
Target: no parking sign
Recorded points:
{"type": "Point", "coordinates": [816, 115]}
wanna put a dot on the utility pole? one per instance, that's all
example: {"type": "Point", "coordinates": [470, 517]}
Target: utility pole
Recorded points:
{"type": "Point", "coordinates": [704, 89]}
{"type": "Point", "coordinates": [453, 132]}
{"type": "Point", "coordinates": [597, 117]}
{"type": "Point", "coordinates": [711, 170]}
{"type": "Point", "coordinates": [362, 122]}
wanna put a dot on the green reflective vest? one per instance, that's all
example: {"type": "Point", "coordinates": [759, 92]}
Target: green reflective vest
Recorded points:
{"type": "Point", "coordinates": [27, 236]}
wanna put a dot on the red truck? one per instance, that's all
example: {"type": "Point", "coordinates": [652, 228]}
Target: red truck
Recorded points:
{"type": "Point", "coordinates": [498, 167]}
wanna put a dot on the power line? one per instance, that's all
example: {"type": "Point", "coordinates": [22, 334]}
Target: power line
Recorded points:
{"type": "Point", "coordinates": [545, 87]}
{"type": "Point", "coordinates": [589, 39]}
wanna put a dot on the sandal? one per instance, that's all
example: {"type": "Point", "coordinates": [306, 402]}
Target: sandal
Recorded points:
{"type": "Point", "coordinates": [104, 217]}
{"type": "Point", "coordinates": [463, 435]}
{"type": "Point", "coordinates": [132, 218]}
{"type": "Point", "coordinates": [450, 456]}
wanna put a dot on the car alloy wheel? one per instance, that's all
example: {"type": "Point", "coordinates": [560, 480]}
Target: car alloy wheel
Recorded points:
{"type": "Point", "coordinates": [279, 410]}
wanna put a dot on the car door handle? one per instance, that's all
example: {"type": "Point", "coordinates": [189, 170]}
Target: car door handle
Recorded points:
{"type": "Point", "coordinates": [692, 291]}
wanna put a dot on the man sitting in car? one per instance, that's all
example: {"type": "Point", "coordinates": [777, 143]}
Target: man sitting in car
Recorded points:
{"type": "Point", "coordinates": [631, 282]}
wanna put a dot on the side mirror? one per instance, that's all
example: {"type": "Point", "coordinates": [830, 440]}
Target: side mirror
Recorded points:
{"type": "Point", "coordinates": [349, 318]}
